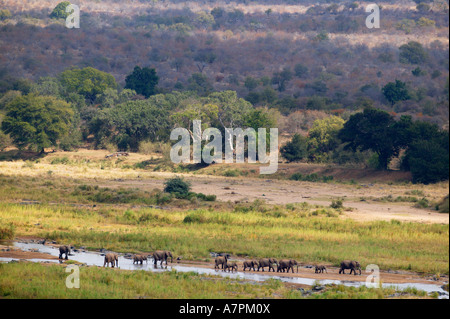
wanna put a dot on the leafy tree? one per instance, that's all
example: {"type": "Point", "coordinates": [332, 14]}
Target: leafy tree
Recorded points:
{"type": "Point", "coordinates": [323, 134]}
{"type": "Point", "coordinates": [372, 130]}
{"type": "Point", "coordinates": [129, 123]}
{"type": "Point", "coordinates": [37, 121]}
{"type": "Point", "coordinates": [88, 82]}
{"type": "Point", "coordinates": [142, 80]}
{"type": "Point", "coordinates": [427, 150]}
{"type": "Point", "coordinates": [396, 91]}
{"type": "Point", "coordinates": [296, 149]}
{"type": "Point", "coordinates": [59, 12]}
{"type": "Point", "coordinates": [428, 160]}
{"type": "Point", "coordinates": [413, 52]}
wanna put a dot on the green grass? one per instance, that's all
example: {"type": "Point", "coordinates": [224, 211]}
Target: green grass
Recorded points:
{"type": "Point", "coordinates": [279, 233]}
{"type": "Point", "coordinates": [26, 280]}
{"type": "Point", "coordinates": [49, 281]}
{"type": "Point", "coordinates": [123, 221]}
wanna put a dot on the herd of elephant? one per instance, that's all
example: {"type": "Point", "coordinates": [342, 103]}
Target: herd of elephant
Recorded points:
{"type": "Point", "coordinates": [284, 265]}
{"type": "Point", "coordinates": [112, 259]}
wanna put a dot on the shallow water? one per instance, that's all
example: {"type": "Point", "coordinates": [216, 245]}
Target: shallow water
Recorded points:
{"type": "Point", "coordinates": [97, 259]}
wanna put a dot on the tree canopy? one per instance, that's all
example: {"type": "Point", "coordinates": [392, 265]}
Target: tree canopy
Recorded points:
{"type": "Point", "coordinates": [88, 82]}
{"type": "Point", "coordinates": [37, 121]}
{"type": "Point", "coordinates": [143, 81]}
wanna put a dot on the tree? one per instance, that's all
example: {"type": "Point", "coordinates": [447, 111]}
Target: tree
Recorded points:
{"type": "Point", "coordinates": [296, 149]}
{"type": "Point", "coordinates": [131, 122]}
{"type": "Point", "coordinates": [428, 160]}
{"type": "Point", "coordinates": [413, 52]}
{"type": "Point", "coordinates": [300, 70]}
{"type": "Point", "coordinates": [37, 121]}
{"type": "Point", "coordinates": [250, 83]}
{"type": "Point", "coordinates": [372, 130]}
{"type": "Point", "coordinates": [323, 134]}
{"type": "Point", "coordinates": [5, 14]}
{"type": "Point", "coordinates": [281, 78]}
{"type": "Point", "coordinates": [143, 81]}
{"type": "Point", "coordinates": [88, 82]}
{"type": "Point", "coordinates": [396, 91]}
{"type": "Point", "coordinates": [59, 12]}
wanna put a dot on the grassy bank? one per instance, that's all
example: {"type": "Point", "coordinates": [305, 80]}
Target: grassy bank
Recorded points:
{"type": "Point", "coordinates": [305, 233]}
{"type": "Point", "coordinates": [39, 281]}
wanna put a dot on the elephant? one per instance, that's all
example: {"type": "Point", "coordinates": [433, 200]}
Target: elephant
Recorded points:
{"type": "Point", "coordinates": [267, 262]}
{"type": "Point", "coordinates": [287, 264]}
{"type": "Point", "coordinates": [139, 259]}
{"type": "Point", "coordinates": [221, 260]}
{"type": "Point", "coordinates": [353, 265]}
{"type": "Point", "coordinates": [230, 265]}
{"type": "Point", "coordinates": [162, 255]}
{"type": "Point", "coordinates": [250, 264]}
{"type": "Point", "coordinates": [320, 269]}
{"type": "Point", "coordinates": [63, 249]}
{"type": "Point", "coordinates": [111, 258]}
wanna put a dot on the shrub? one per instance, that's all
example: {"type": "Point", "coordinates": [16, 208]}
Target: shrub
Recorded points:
{"type": "Point", "coordinates": [7, 231]}
{"type": "Point", "coordinates": [337, 204]}
{"type": "Point", "coordinates": [231, 173]}
{"type": "Point", "coordinates": [177, 186]}
{"type": "Point", "coordinates": [422, 203]}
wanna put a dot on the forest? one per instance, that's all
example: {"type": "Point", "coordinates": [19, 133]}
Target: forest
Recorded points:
{"type": "Point", "coordinates": [132, 72]}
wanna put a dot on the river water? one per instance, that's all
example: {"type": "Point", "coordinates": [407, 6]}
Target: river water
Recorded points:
{"type": "Point", "coordinates": [97, 259]}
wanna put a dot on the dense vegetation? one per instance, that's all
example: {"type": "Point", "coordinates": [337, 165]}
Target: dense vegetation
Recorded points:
{"type": "Point", "coordinates": [133, 77]}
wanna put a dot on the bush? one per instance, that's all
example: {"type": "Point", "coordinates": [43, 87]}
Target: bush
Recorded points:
{"type": "Point", "coordinates": [7, 231]}
{"type": "Point", "coordinates": [428, 161]}
{"type": "Point", "coordinates": [231, 173]}
{"type": "Point", "coordinates": [296, 149]}
{"type": "Point", "coordinates": [337, 204]}
{"type": "Point", "coordinates": [442, 206]}
{"type": "Point", "coordinates": [177, 186]}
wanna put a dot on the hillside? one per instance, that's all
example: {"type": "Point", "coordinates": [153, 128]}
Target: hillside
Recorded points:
{"type": "Point", "coordinates": [288, 55]}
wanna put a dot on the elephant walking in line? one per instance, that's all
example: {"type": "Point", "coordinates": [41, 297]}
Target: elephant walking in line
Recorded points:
{"type": "Point", "coordinates": [353, 265]}
{"type": "Point", "coordinates": [111, 258]}
{"type": "Point", "coordinates": [221, 260]}
{"type": "Point", "coordinates": [64, 249]}
{"type": "Point", "coordinates": [250, 264]}
{"type": "Point", "coordinates": [231, 265]}
{"type": "Point", "coordinates": [287, 264]}
{"type": "Point", "coordinates": [162, 255]}
{"type": "Point", "coordinates": [267, 262]}
{"type": "Point", "coordinates": [320, 269]}
{"type": "Point", "coordinates": [139, 259]}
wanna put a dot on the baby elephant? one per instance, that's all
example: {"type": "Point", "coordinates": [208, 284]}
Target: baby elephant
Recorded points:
{"type": "Point", "coordinates": [64, 250]}
{"type": "Point", "coordinates": [320, 269]}
{"type": "Point", "coordinates": [231, 265]}
{"type": "Point", "coordinates": [139, 259]}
